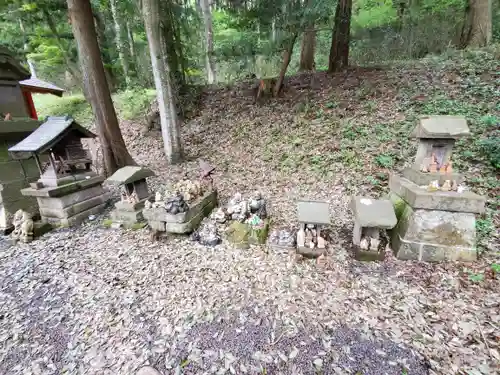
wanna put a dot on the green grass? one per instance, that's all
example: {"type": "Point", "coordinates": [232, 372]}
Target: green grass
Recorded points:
{"type": "Point", "coordinates": [129, 105]}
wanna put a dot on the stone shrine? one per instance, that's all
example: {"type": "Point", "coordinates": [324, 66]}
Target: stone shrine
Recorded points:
{"type": "Point", "coordinates": [370, 216]}
{"type": "Point", "coordinates": [68, 190]}
{"type": "Point", "coordinates": [135, 193]}
{"type": "Point", "coordinates": [312, 216]}
{"type": "Point", "coordinates": [436, 216]}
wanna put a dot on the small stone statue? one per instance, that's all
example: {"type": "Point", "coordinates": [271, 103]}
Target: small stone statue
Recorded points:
{"type": "Point", "coordinates": [433, 167]}
{"type": "Point", "coordinates": [17, 221]}
{"type": "Point", "coordinates": [208, 234]}
{"type": "Point", "coordinates": [176, 205]}
{"type": "Point", "coordinates": [158, 197]}
{"type": "Point", "coordinates": [363, 245]}
{"type": "Point", "coordinates": [285, 238]}
{"type": "Point", "coordinates": [233, 203]}
{"type": "Point", "coordinates": [301, 238]}
{"type": "Point", "coordinates": [257, 205]}
{"type": "Point", "coordinates": [147, 204]}
{"type": "Point", "coordinates": [374, 244]}
{"type": "Point", "coordinates": [454, 185]}
{"type": "Point", "coordinates": [133, 198]}
{"type": "Point", "coordinates": [449, 168]}
{"type": "Point", "coordinates": [424, 167]}
{"type": "Point", "coordinates": [446, 186]}
{"type": "Point", "coordinates": [27, 228]}
{"type": "Point", "coordinates": [124, 197]}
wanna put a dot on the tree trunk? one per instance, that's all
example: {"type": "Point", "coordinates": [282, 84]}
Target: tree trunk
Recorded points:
{"type": "Point", "coordinates": [170, 127]}
{"type": "Point", "coordinates": [120, 41]}
{"type": "Point", "coordinates": [104, 47]}
{"type": "Point", "coordinates": [339, 51]}
{"type": "Point", "coordinates": [308, 48]}
{"type": "Point", "coordinates": [477, 30]}
{"type": "Point", "coordinates": [131, 41]}
{"type": "Point", "coordinates": [209, 41]}
{"type": "Point", "coordinates": [113, 146]}
{"type": "Point", "coordinates": [287, 56]}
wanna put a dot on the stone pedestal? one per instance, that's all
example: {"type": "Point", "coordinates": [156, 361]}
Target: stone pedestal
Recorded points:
{"type": "Point", "coordinates": [70, 204]}
{"type": "Point", "coordinates": [160, 220]}
{"type": "Point", "coordinates": [433, 226]}
{"type": "Point", "coordinates": [128, 214]}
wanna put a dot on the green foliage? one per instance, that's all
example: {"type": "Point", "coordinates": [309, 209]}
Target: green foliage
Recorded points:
{"type": "Point", "coordinates": [385, 160]}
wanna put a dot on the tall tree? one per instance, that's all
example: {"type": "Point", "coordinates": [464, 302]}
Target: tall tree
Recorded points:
{"type": "Point", "coordinates": [114, 151]}
{"type": "Point", "coordinates": [121, 42]}
{"type": "Point", "coordinates": [477, 30]}
{"type": "Point", "coordinates": [209, 40]}
{"type": "Point", "coordinates": [170, 125]}
{"type": "Point", "coordinates": [339, 50]}
{"type": "Point", "coordinates": [308, 49]}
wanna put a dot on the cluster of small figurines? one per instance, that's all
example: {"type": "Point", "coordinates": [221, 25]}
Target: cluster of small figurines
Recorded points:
{"type": "Point", "coordinates": [369, 244]}
{"type": "Point", "coordinates": [129, 198]}
{"type": "Point", "coordinates": [252, 211]}
{"type": "Point", "coordinates": [431, 165]}
{"type": "Point", "coordinates": [310, 236]}
{"type": "Point", "coordinates": [186, 192]}
{"type": "Point", "coordinates": [23, 227]}
{"type": "Point", "coordinates": [447, 185]}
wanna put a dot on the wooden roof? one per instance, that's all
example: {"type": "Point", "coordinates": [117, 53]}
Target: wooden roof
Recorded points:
{"type": "Point", "coordinates": [36, 85]}
{"type": "Point", "coordinates": [51, 132]}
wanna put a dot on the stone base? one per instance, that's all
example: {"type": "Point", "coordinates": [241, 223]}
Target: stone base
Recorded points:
{"type": "Point", "coordinates": [71, 204]}
{"type": "Point", "coordinates": [368, 256]}
{"type": "Point", "coordinates": [159, 220]}
{"type": "Point", "coordinates": [432, 235]}
{"type": "Point", "coordinates": [259, 236]}
{"type": "Point", "coordinates": [421, 178]}
{"type": "Point", "coordinates": [310, 253]}
{"type": "Point", "coordinates": [281, 249]}
{"type": "Point", "coordinates": [127, 218]}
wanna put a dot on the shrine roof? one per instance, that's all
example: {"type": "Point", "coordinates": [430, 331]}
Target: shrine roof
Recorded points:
{"type": "Point", "coordinates": [442, 127]}
{"type": "Point", "coordinates": [10, 68]}
{"type": "Point", "coordinates": [129, 174]}
{"type": "Point", "coordinates": [36, 85]}
{"type": "Point", "coordinates": [51, 132]}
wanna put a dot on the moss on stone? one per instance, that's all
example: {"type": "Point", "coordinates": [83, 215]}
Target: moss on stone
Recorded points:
{"type": "Point", "coordinates": [398, 203]}
{"type": "Point", "coordinates": [238, 234]}
{"type": "Point", "coordinates": [137, 226]}
{"type": "Point", "coordinates": [259, 236]}
{"type": "Point", "coordinates": [107, 223]}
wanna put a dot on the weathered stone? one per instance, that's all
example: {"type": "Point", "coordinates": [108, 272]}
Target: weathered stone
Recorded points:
{"type": "Point", "coordinates": [442, 148]}
{"type": "Point", "coordinates": [127, 218]}
{"type": "Point", "coordinates": [373, 213]}
{"type": "Point", "coordinates": [310, 252]}
{"type": "Point", "coordinates": [438, 200]}
{"type": "Point", "coordinates": [258, 236]}
{"type": "Point", "coordinates": [238, 234]}
{"type": "Point", "coordinates": [313, 212]}
{"type": "Point", "coordinates": [442, 126]}
{"type": "Point", "coordinates": [157, 225]}
{"type": "Point", "coordinates": [193, 223]}
{"type": "Point", "coordinates": [432, 235]}
{"type": "Point", "coordinates": [76, 219]}
{"type": "Point", "coordinates": [65, 189]}
{"type": "Point", "coordinates": [420, 178]}
{"type": "Point", "coordinates": [74, 209]}
{"type": "Point", "coordinates": [63, 202]}
{"type": "Point", "coordinates": [129, 174]}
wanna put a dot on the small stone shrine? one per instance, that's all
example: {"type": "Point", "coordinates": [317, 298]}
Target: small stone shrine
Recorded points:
{"type": "Point", "coordinates": [313, 216]}
{"type": "Point", "coordinates": [68, 190]}
{"type": "Point", "coordinates": [370, 217]}
{"type": "Point", "coordinates": [182, 211]}
{"type": "Point", "coordinates": [250, 223]}
{"type": "Point", "coordinates": [436, 215]}
{"type": "Point", "coordinates": [135, 193]}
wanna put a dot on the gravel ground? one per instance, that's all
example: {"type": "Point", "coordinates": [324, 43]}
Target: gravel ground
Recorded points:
{"type": "Point", "coordinates": [103, 301]}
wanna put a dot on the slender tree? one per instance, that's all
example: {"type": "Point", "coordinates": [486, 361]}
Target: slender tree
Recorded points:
{"type": "Point", "coordinates": [308, 49]}
{"type": "Point", "coordinates": [115, 153]}
{"type": "Point", "coordinates": [121, 43]}
{"type": "Point", "coordinates": [477, 29]}
{"type": "Point", "coordinates": [170, 126]}
{"type": "Point", "coordinates": [209, 40]}
{"type": "Point", "coordinates": [339, 51]}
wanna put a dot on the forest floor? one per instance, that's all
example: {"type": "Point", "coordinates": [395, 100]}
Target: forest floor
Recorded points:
{"type": "Point", "coordinates": [105, 301]}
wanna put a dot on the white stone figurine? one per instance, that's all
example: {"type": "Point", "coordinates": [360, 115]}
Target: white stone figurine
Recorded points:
{"type": "Point", "coordinates": [321, 243]}
{"type": "Point", "coordinates": [311, 245]}
{"type": "Point", "coordinates": [158, 197]}
{"type": "Point", "coordinates": [374, 244]}
{"type": "Point", "coordinates": [446, 186]}
{"type": "Point", "coordinates": [363, 245]}
{"type": "Point", "coordinates": [301, 238]}
{"type": "Point", "coordinates": [27, 227]}
{"type": "Point", "coordinates": [147, 205]}
{"type": "Point", "coordinates": [124, 197]}
{"type": "Point", "coordinates": [18, 221]}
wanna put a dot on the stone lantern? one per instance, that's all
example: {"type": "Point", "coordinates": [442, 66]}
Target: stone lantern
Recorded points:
{"type": "Point", "coordinates": [313, 216]}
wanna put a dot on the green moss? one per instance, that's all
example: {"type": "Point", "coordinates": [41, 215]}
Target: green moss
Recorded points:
{"type": "Point", "coordinates": [259, 236]}
{"type": "Point", "coordinates": [398, 203]}
{"type": "Point", "coordinates": [107, 223]}
{"type": "Point", "coordinates": [238, 234]}
{"type": "Point", "coordinates": [137, 226]}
